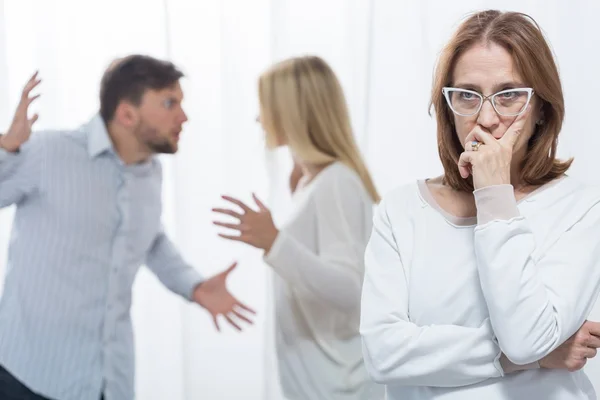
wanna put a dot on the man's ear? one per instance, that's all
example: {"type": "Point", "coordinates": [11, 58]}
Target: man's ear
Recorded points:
{"type": "Point", "coordinates": [127, 114]}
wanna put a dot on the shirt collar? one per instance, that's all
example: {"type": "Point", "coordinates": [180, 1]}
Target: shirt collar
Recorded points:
{"type": "Point", "coordinates": [98, 138]}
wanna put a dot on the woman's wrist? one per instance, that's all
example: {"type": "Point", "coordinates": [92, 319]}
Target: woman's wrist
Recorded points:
{"type": "Point", "coordinates": [510, 367]}
{"type": "Point", "coordinates": [496, 202]}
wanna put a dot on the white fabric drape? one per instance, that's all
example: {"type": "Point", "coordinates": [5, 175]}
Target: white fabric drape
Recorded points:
{"type": "Point", "coordinates": [383, 52]}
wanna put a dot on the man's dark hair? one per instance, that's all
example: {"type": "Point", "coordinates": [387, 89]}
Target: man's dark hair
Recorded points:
{"type": "Point", "coordinates": [128, 79]}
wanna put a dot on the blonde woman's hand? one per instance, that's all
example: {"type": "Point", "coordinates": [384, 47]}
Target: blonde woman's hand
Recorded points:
{"type": "Point", "coordinates": [254, 227]}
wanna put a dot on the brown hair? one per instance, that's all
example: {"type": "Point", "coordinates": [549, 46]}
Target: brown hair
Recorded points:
{"type": "Point", "coordinates": [521, 36]}
{"type": "Point", "coordinates": [128, 79]}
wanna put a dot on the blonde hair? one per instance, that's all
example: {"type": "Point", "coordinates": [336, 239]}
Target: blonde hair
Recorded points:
{"type": "Point", "coordinates": [302, 102]}
{"type": "Point", "coordinates": [521, 36]}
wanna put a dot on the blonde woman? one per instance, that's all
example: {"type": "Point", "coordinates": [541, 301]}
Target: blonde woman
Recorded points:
{"type": "Point", "coordinates": [318, 254]}
{"type": "Point", "coordinates": [478, 283]}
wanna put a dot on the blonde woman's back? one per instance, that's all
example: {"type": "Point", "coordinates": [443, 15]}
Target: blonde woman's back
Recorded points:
{"type": "Point", "coordinates": [318, 257]}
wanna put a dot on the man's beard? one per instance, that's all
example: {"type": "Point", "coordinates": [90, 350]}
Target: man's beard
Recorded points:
{"type": "Point", "coordinates": [161, 147]}
{"type": "Point", "coordinates": [153, 142]}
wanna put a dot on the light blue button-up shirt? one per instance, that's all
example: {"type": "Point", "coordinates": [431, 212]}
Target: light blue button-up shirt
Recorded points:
{"type": "Point", "coordinates": [85, 222]}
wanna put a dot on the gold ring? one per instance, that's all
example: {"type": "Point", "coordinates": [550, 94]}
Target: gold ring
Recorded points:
{"type": "Point", "coordinates": [475, 145]}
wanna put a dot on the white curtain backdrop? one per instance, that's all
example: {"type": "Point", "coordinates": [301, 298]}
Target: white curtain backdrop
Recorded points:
{"type": "Point", "coordinates": [383, 51]}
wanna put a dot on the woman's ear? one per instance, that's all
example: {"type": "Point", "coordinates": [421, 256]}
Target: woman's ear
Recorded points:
{"type": "Point", "coordinates": [540, 120]}
{"type": "Point", "coordinates": [540, 117]}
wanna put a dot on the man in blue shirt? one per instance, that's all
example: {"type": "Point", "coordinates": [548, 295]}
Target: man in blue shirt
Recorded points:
{"type": "Point", "coordinates": [88, 215]}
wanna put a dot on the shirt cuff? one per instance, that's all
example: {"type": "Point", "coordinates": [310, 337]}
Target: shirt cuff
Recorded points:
{"type": "Point", "coordinates": [277, 254]}
{"type": "Point", "coordinates": [188, 282]}
{"type": "Point", "coordinates": [495, 203]}
{"type": "Point", "coordinates": [286, 256]}
{"type": "Point", "coordinates": [4, 155]}
{"type": "Point", "coordinates": [510, 367]}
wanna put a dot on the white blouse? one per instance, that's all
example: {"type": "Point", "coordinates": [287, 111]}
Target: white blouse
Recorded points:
{"type": "Point", "coordinates": [318, 258]}
{"type": "Point", "coordinates": [443, 297]}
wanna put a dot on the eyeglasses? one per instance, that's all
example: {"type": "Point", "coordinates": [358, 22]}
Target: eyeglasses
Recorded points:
{"type": "Point", "coordinates": [508, 103]}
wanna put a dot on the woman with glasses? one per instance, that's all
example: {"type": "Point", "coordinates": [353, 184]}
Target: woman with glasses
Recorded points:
{"type": "Point", "coordinates": [318, 254]}
{"type": "Point", "coordinates": [478, 283]}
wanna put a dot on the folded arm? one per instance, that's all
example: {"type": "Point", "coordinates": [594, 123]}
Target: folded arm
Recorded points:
{"type": "Point", "coordinates": [396, 350]}
{"type": "Point", "coordinates": [536, 301]}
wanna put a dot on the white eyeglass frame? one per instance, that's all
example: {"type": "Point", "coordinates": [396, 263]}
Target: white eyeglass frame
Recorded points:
{"type": "Point", "coordinates": [446, 92]}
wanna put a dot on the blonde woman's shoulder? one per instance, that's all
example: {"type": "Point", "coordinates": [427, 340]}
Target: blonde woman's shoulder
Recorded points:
{"type": "Point", "coordinates": [340, 173]}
